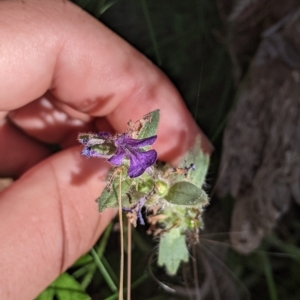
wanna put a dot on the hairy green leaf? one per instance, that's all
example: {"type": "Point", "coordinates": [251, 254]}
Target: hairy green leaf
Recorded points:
{"type": "Point", "coordinates": [200, 159]}
{"type": "Point", "coordinates": [186, 193]}
{"type": "Point", "coordinates": [149, 128]}
{"type": "Point", "coordinates": [172, 250]}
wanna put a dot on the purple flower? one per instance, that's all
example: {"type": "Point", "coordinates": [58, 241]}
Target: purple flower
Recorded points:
{"type": "Point", "coordinates": [139, 159]}
{"type": "Point", "coordinates": [116, 148]}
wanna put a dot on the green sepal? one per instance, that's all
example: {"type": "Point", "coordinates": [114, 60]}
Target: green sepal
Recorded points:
{"type": "Point", "coordinates": [186, 193]}
{"type": "Point", "coordinates": [150, 126]}
{"type": "Point", "coordinates": [172, 250]}
{"type": "Point", "coordinates": [201, 160]}
{"type": "Point", "coordinates": [83, 136]}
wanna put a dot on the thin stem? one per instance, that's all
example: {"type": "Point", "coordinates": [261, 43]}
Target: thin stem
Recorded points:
{"type": "Point", "coordinates": [129, 240]}
{"type": "Point", "coordinates": [121, 241]}
{"type": "Point", "coordinates": [103, 271]}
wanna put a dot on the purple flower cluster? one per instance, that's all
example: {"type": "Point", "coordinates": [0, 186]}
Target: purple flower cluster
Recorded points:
{"type": "Point", "coordinates": [119, 147]}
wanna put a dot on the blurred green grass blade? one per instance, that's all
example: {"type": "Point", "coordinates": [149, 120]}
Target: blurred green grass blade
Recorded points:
{"type": "Point", "coordinates": [88, 277]}
{"type": "Point", "coordinates": [105, 6]}
{"type": "Point", "coordinates": [103, 271]}
{"type": "Point", "coordinates": [151, 32]}
{"type": "Point", "coordinates": [100, 248]}
{"type": "Point", "coordinates": [83, 270]}
{"type": "Point", "coordinates": [83, 260]}
{"type": "Point", "coordinates": [290, 249]}
{"type": "Point", "coordinates": [97, 11]}
{"type": "Point", "coordinates": [87, 262]}
{"type": "Point", "coordinates": [269, 277]}
{"type": "Point", "coordinates": [109, 269]}
{"type": "Point", "coordinates": [222, 117]}
{"type": "Point", "coordinates": [86, 273]}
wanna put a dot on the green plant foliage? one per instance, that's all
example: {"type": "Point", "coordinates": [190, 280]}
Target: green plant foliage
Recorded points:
{"type": "Point", "coordinates": [174, 193]}
{"type": "Point", "coordinates": [186, 193]}
{"type": "Point", "coordinates": [201, 161]}
{"type": "Point", "coordinates": [150, 127]}
{"type": "Point", "coordinates": [65, 287]}
{"type": "Point", "coordinates": [172, 250]}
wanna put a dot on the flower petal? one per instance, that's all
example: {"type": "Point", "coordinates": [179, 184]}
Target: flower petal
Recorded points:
{"type": "Point", "coordinates": [140, 161]}
{"type": "Point", "coordinates": [117, 158]}
{"type": "Point", "coordinates": [104, 135]}
{"type": "Point", "coordinates": [128, 141]}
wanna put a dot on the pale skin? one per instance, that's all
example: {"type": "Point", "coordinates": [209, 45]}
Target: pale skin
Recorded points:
{"type": "Point", "coordinates": [63, 72]}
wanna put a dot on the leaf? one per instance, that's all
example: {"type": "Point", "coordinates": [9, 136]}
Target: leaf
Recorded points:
{"type": "Point", "coordinates": [151, 124]}
{"type": "Point", "coordinates": [65, 287]}
{"type": "Point", "coordinates": [110, 198]}
{"type": "Point", "coordinates": [47, 294]}
{"type": "Point", "coordinates": [200, 159]}
{"type": "Point", "coordinates": [186, 193]}
{"type": "Point", "coordinates": [172, 250]}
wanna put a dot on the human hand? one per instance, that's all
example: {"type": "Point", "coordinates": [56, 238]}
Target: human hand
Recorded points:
{"type": "Point", "coordinates": [95, 82]}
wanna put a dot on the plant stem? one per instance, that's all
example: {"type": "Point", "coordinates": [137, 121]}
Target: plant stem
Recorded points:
{"type": "Point", "coordinates": [121, 241]}
{"type": "Point", "coordinates": [129, 239]}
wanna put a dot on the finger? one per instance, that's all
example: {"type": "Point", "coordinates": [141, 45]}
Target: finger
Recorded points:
{"type": "Point", "coordinates": [88, 67]}
{"type": "Point", "coordinates": [49, 121]}
{"type": "Point", "coordinates": [18, 152]}
{"type": "Point", "coordinates": [48, 228]}
{"type": "Point", "coordinates": [46, 122]}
